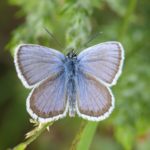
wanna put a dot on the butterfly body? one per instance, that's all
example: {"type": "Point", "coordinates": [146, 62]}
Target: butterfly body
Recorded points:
{"type": "Point", "coordinates": [78, 84]}
{"type": "Point", "coordinates": [71, 69]}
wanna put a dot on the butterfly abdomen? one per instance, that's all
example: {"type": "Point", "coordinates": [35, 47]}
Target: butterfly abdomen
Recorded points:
{"type": "Point", "coordinates": [71, 92]}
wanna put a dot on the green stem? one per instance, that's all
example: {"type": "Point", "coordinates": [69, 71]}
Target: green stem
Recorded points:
{"type": "Point", "coordinates": [126, 21]}
{"type": "Point", "coordinates": [78, 136]}
{"type": "Point", "coordinates": [85, 136]}
{"type": "Point", "coordinates": [36, 134]}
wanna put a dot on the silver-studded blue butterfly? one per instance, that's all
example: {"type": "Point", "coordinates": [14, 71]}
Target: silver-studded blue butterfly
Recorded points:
{"type": "Point", "coordinates": [72, 83]}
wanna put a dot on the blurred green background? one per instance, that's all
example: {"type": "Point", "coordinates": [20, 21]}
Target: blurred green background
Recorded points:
{"type": "Point", "coordinates": [73, 22]}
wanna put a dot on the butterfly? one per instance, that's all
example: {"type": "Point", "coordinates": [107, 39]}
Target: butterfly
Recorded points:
{"type": "Point", "coordinates": [74, 84]}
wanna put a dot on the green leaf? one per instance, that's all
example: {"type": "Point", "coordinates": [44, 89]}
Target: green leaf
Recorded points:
{"type": "Point", "coordinates": [84, 136]}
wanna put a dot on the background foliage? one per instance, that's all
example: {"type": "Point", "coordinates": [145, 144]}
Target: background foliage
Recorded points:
{"type": "Point", "coordinates": [73, 22]}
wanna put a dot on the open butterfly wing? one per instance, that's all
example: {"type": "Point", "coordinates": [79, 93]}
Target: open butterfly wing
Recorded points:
{"type": "Point", "coordinates": [48, 101]}
{"type": "Point", "coordinates": [104, 61]}
{"type": "Point", "coordinates": [95, 102]}
{"type": "Point", "coordinates": [35, 63]}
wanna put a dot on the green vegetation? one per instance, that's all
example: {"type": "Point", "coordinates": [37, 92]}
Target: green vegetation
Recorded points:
{"type": "Point", "coordinates": [74, 22]}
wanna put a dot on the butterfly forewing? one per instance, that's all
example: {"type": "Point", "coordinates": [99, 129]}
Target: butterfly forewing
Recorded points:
{"type": "Point", "coordinates": [35, 63]}
{"type": "Point", "coordinates": [47, 102]}
{"type": "Point", "coordinates": [104, 61]}
{"type": "Point", "coordinates": [94, 101]}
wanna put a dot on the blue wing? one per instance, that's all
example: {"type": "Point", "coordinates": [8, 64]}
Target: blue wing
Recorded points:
{"type": "Point", "coordinates": [34, 63]}
{"type": "Point", "coordinates": [95, 101]}
{"type": "Point", "coordinates": [104, 61]}
{"type": "Point", "coordinates": [48, 101]}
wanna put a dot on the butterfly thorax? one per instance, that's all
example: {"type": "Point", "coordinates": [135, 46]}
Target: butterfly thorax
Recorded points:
{"type": "Point", "coordinates": [71, 70]}
{"type": "Point", "coordinates": [71, 65]}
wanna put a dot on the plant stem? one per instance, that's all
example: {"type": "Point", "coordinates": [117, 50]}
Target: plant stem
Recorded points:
{"type": "Point", "coordinates": [85, 136]}
{"type": "Point", "coordinates": [36, 134]}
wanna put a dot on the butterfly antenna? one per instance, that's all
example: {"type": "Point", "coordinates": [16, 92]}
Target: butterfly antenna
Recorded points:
{"type": "Point", "coordinates": [60, 45]}
{"type": "Point", "coordinates": [92, 38]}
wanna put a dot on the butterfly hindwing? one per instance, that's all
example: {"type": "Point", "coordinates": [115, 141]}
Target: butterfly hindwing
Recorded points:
{"type": "Point", "coordinates": [95, 101]}
{"type": "Point", "coordinates": [48, 101]}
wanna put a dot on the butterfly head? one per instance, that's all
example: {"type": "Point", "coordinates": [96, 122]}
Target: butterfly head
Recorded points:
{"type": "Point", "coordinates": [72, 54]}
